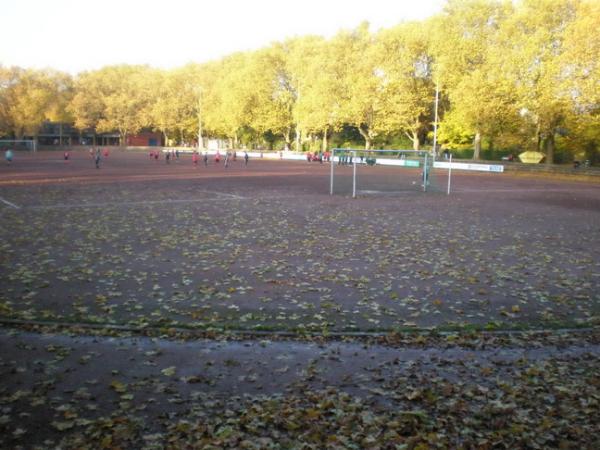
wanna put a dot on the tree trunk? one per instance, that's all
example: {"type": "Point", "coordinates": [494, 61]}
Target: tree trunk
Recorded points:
{"type": "Point", "coordinates": [365, 134]}
{"type": "Point", "coordinates": [538, 136]}
{"type": "Point", "coordinates": [415, 133]}
{"type": "Point", "coordinates": [325, 139]}
{"type": "Point", "coordinates": [477, 146]}
{"type": "Point", "coordinates": [550, 146]}
{"type": "Point", "coordinates": [288, 140]}
{"type": "Point", "coordinates": [298, 149]}
{"type": "Point", "coordinates": [416, 142]}
{"type": "Point", "coordinates": [414, 138]}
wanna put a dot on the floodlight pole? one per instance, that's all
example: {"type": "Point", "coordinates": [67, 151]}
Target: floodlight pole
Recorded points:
{"type": "Point", "coordinates": [200, 141]}
{"type": "Point", "coordinates": [354, 174]}
{"type": "Point", "coordinates": [331, 163]}
{"type": "Point", "coordinates": [449, 173]}
{"type": "Point", "coordinates": [435, 122]}
{"type": "Point", "coordinates": [425, 174]}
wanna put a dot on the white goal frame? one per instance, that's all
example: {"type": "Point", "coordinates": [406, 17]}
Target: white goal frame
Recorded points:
{"type": "Point", "coordinates": [425, 155]}
{"type": "Point", "coordinates": [31, 144]}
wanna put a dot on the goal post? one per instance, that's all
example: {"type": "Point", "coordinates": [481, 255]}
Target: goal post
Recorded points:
{"type": "Point", "coordinates": [29, 145]}
{"type": "Point", "coordinates": [381, 172]}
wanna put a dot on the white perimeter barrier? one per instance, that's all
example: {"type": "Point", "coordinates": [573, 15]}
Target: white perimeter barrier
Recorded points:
{"type": "Point", "coordinates": [381, 161]}
{"type": "Point", "coordinates": [469, 166]}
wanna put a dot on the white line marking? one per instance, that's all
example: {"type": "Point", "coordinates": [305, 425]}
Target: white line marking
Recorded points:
{"type": "Point", "coordinates": [139, 203]}
{"type": "Point", "coordinates": [525, 190]}
{"type": "Point", "coordinates": [9, 203]}
{"type": "Point", "coordinates": [224, 194]}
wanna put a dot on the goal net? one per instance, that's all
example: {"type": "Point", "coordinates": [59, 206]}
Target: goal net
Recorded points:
{"type": "Point", "coordinates": [17, 145]}
{"type": "Point", "coordinates": [381, 172]}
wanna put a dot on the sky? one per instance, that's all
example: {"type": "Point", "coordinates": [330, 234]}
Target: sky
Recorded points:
{"type": "Point", "coordinates": [78, 35]}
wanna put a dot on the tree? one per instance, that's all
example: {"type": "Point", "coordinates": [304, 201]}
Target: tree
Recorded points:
{"type": "Point", "coordinates": [87, 106]}
{"type": "Point", "coordinates": [114, 98]}
{"type": "Point", "coordinates": [361, 104]}
{"type": "Point", "coordinates": [29, 97]}
{"type": "Point", "coordinates": [465, 45]}
{"type": "Point", "coordinates": [58, 111]}
{"type": "Point", "coordinates": [173, 105]}
{"type": "Point", "coordinates": [272, 95]}
{"type": "Point", "coordinates": [406, 89]}
{"type": "Point", "coordinates": [319, 76]}
{"type": "Point", "coordinates": [8, 79]}
{"type": "Point", "coordinates": [229, 101]}
{"type": "Point", "coordinates": [532, 43]}
{"type": "Point", "coordinates": [581, 69]}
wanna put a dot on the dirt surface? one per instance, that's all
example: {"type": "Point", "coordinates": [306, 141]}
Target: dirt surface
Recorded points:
{"type": "Point", "coordinates": [264, 246]}
{"type": "Point", "coordinates": [516, 391]}
{"type": "Point", "coordinates": [174, 252]}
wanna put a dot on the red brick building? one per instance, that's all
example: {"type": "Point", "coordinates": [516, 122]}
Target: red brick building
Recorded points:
{"type": "Point", "coordinates": [145, 139]}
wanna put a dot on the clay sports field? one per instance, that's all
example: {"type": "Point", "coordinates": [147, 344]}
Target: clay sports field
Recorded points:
{"type": "Point", "coordinates": [155, 306]}
{"type": "Point", "coordinates": [143, 243]}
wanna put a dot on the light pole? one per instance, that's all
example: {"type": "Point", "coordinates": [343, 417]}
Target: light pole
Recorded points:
{"type": "Point", "coordinates": [198, 90]}
{"type": "Point", "coordinates": [435, 122]}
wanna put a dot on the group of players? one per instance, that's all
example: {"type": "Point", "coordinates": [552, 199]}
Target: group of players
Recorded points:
{"type": "Point", "coordinates": [173, 155]}
{"type": "Point", "coordinates": [96, 154]}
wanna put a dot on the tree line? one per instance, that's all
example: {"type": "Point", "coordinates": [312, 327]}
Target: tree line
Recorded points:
{"type": "Point", "coordinates": [510, 75]}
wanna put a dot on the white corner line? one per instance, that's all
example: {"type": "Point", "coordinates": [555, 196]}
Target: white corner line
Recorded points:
{"type": "Point", "coordinates": [9, 203]}
{"type": "Point", "coordinates": [226, 195]}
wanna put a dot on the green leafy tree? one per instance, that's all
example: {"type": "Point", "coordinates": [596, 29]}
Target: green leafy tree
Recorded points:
{"type": "Point", "coordinates": [9, 77]}
{"type": "Point", "coordinates": [361, 103]}
{"type": "Point", "coordinates": [114, 98]}
{"type": "Point", "coordinates": [30, 97]}
{"type": "Point", "coordinates": [532, 41]}
{"type": "Point", "coordinates": [318, 74]}
{"type": "Point", "coordinates": [406, 92]}
{"type": "Point", "coordinates": [173, 108]}
{"type": "Point", "coordinates": [465, 44]}
{"type": "Point", "coordinates": [581, 69]}
{"type": "Point", "coordinates": [230, 98]}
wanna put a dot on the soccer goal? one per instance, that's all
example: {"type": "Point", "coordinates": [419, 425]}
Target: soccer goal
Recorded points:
{"type": "Point", "coordinates": [381, 172]}
{"type": "Point", "coordinates": [17, 145]}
